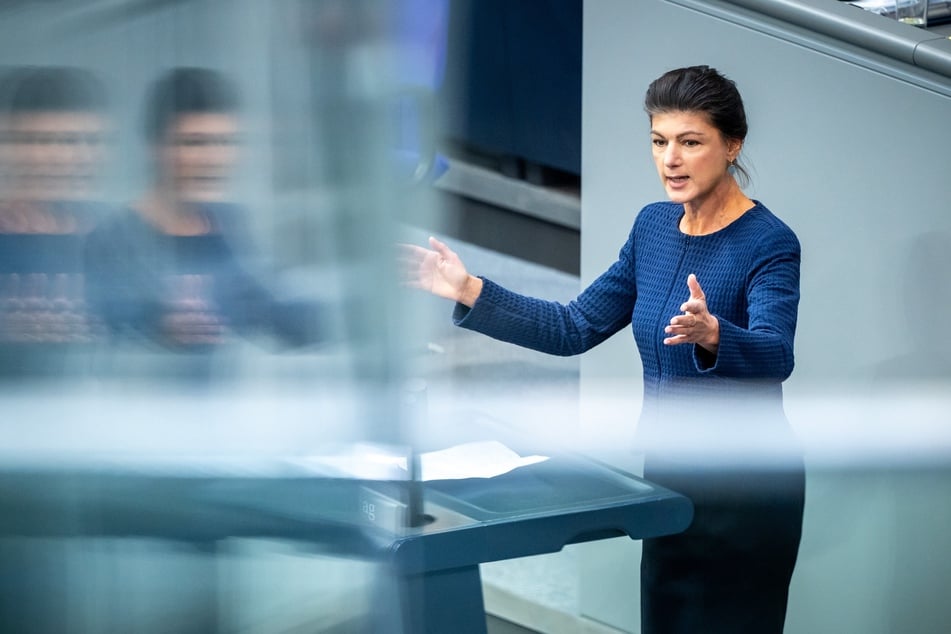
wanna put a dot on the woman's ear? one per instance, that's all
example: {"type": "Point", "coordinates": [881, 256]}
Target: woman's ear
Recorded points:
{"type": "Point", "coordinates": [733, 148]}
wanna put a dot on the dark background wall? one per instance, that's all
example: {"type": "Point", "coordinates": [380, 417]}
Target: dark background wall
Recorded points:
{"type": "Point", "coordinates": [512, 89]}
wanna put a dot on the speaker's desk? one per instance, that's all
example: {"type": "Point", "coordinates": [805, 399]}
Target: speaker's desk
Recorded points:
{"type": "Point", "coordinates": [432, 581]}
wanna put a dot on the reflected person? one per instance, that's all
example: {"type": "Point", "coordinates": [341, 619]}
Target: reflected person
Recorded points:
{"type": "Point", "coordinates": [54, 131]}
{"type": "Point", "coordinates": [170, 270]}
{"type": "Point", "coordinates": [709, 283]}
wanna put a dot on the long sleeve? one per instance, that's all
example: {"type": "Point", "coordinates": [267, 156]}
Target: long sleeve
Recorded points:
{"type": "Point", "coordinates": [763, 349]}
{"type": "Point", "coordinates": [600, 311]}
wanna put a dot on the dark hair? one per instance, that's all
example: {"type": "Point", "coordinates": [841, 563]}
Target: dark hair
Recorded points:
{"type": "Point", "coordinates": [701, 89]}
{"type": "Point", "coordinates": [183, 91]}
{"type": "Point", "coordinates": [55, 89]}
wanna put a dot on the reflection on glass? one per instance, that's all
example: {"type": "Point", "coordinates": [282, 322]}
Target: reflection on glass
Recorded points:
{"type": "Point", "coordinates": [169, 483]}
{"type": "Point", "coordinates": [54, 129]}
{"type": "Point", "coordinates": [170, 269]}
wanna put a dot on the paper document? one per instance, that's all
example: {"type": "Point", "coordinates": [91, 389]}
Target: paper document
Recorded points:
{"type": "Point", "coordinates": [484, 459]}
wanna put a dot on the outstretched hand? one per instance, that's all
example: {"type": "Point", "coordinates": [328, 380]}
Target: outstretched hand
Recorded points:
{"type": "Point", "coordinates": [696, 325]}
{"type": "Point", "coordinates": [439, 271]}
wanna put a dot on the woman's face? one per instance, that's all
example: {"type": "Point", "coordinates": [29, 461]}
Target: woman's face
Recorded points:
{"type": "Point", "coordinates": [199, 153]}
{"type": "Point", "coordinates": [691, 155]}
{"type": "Point", "coordinates": [56, 155]}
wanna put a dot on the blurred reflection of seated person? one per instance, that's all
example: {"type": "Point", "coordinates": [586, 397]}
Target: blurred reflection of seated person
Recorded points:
{"type": "Point", "coordinates": [169, 269]}
{"type": "Point", "coordinates": [53, 132]}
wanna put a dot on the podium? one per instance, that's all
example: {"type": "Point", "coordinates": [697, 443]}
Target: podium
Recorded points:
{"type": "Point", "coordinates": [533, 510]}
{"type": "Point", "coordinates": [431, 562]}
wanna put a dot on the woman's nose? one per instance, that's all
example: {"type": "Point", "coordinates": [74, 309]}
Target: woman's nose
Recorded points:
{"type": "Point", "coordinates": [671, 155]}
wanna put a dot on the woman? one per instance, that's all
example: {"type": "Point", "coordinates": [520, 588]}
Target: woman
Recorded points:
{"type": "Point", "coordinates": [52, 152]}
{"type": "Point", "coordinates": [710, 283]}
{"type": "Point", "coordinates": [169, 269]}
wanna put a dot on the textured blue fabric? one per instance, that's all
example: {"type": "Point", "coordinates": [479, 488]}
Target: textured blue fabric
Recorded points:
{"type": "Point", "coordinates": [137, 277]}
{"type": "Point", "coordinates": [729, 571]}
{"type": "Point", "coordinates": [749, 272]}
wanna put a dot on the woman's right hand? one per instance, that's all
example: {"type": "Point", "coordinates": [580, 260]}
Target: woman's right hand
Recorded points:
{"type": "Point", "coordinates": [440, 271]}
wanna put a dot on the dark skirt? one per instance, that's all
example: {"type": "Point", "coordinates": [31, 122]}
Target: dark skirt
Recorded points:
{"type": "Point", "coordinates": [729, 572]}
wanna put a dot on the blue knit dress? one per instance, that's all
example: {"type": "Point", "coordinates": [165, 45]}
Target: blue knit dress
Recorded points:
{"type": "Point", "coordinates": [710, 424]}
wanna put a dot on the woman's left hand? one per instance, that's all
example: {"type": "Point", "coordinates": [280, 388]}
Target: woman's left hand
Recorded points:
{"type": "Point", "coordinates": [696, 325]}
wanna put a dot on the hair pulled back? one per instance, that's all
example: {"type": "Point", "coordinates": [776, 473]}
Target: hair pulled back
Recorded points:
{"type": "Point", "coordinates": [702, 89]}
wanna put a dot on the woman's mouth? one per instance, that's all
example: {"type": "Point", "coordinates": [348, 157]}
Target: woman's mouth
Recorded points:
{"type": "Point", "coordinates": [677, 181]}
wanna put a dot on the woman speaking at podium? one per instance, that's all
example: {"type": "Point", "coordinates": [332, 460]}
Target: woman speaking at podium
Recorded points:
{"type": "Point", "coordinates": [709, 283]}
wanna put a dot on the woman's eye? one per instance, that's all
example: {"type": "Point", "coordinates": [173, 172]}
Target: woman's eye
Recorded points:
{"type": "Point", "coordinates": [691, 143]}
{"type": "Point", "coordinates": [658, 142]}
